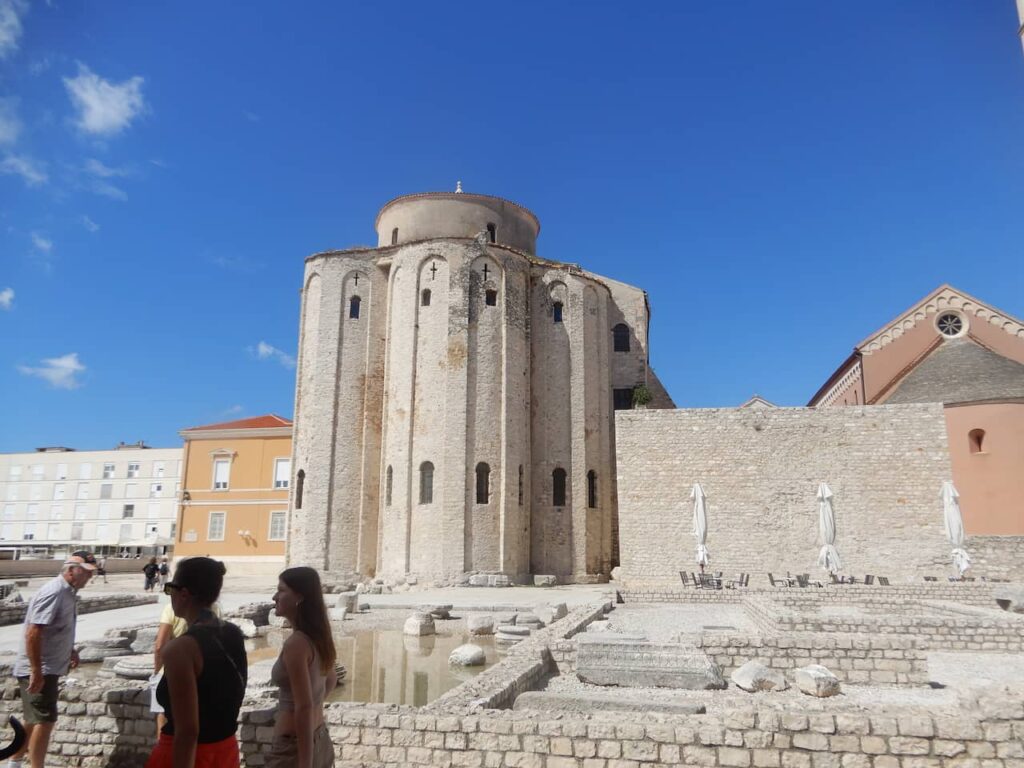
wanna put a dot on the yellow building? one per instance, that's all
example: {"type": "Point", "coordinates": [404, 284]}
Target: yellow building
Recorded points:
{"type": "Point", "coordinates": [234, 500]}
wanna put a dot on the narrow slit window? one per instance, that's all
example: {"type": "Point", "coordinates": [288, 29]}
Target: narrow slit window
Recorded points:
{"type": "Point", "coordinates": [592, 489]}
{"type": "Point", "coordinates": [300, 481]}
{"type": "Point", "coordinates": [425, 298]}
{"type": "Point", "coordinates": [492, 233]}
{"type": "Point", "coordinates": [353, 307]}
{"type": "Point", "coordinates": [977, 440]}
{"type": "Point", "coordinates": [556, 312]}
{"type": "Point", "coordinates": [520, 485]}
{"type": "Point", "coordinates": [483, 483]}
{"type": "Point", "coordinates": [558, 487]}
{"type": "Point", "coordinates": [490, 297]}
{"type": "Point", "coordinates": [426, 483]}
{"type": "Point", "coordinates": [394, 236]}
{"type": "Point", "coordinates": [387, 487]}
{"type": "Point", "coordinates": [620, 334]}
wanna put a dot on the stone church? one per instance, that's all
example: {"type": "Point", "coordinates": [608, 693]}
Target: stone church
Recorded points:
{"type": "Point", "coordinates": [455, 400]}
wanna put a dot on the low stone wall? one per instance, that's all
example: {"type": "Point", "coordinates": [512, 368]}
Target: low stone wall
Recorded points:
{"type": "Point", "coordinates": [14, 613]}
{"type": "Point", "coordinates": [859, 659]}
{"type": "Point", "coordinates": [971, 592]}
{"type": "Point", "coordinates": [525, 665]}
{"type": "Point", "coordinates": [987, 735]}
{"type": "Point", "coordinates": [107, 725]}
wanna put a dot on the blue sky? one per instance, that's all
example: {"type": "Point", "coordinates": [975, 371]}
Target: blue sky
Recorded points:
{"type": "Point", "coordinates": [781, 177]}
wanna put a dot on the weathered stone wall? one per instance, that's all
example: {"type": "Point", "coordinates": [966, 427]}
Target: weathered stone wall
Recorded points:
{"type": "Point", "coordinates": [14, 613]}
{"type": "Point", "coordinates": [998, 556]}
{"type": "Point", "coordinates": [761, 470]}
{"type": "Point", "coordinates": [859, 659]}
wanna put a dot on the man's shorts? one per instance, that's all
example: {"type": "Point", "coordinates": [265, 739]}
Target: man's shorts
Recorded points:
{"type": "Point", "coordinates": [40, 707]}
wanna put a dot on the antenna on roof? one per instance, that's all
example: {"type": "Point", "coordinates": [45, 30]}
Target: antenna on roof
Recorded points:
{"type": "Point", "coordinates": [458, 187]}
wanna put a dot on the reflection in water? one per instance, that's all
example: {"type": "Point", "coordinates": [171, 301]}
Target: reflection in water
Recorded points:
{"type": "Point", "coordinates": [388, 667]}
{"type": "Point", "coordinates": [383, 665]}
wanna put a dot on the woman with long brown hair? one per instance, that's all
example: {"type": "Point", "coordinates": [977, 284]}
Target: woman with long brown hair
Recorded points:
{"type": "Point", "coordinates": [304, 673]}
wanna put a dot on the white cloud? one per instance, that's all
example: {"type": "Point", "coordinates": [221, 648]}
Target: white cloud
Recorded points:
{"type": "Point", "coordinates": [7, 298]}
{"type": "Point", "coordinates": [264, 351]}
{"type": "Point", "coordinates": [42, 243]}
{"type": "Point", "coordinates": [104, 108]}
{"type": "Point", "coordinates": [40, 65]}
{"type": "Point", "coordinates": [19, 165]}
{"type": "Point", "coordinates": [98, 169]}
{"type": "Point", "coordinates": [107, 189]}
{"type": "Point", "coordinates": [234, 410]}
{"type": "Point", "coordinates": [11, 12]}
{"type": "Point", "coordinates": [58, 372]}
{"type": "Point", "coordinates": [10, 125]}
{"type": "Point", "coordinates": [89, 224]}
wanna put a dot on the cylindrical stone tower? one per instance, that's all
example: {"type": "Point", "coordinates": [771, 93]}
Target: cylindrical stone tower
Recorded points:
{"type": "Point", "coordinates": [454, 401]}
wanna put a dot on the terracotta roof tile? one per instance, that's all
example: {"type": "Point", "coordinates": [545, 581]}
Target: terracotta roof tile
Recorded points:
{"type": "Point", "coordinates": [268, 421]}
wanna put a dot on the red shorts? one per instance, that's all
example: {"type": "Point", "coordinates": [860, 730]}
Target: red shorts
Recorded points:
{"type": "Point", "coordinates": [219, 754]}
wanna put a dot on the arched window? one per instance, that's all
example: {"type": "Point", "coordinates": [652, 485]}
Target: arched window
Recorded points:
{"type": "Point", "coordinates": [483, 483]}
{"type": "Point", "coordinates": [425, 297]}
{"type": "Point", "coordinates": [300, 481]}
{"type": "Point", "coordinates": [558, 487]}
{"type": "Point", "coordinates": [387, 487]}
{"type": "Point", "coordinates": [426, 483]}
{"type": "Point", "coordinates": [620, 335]}
{"type": "Point", "coordinates": [556, 311]}
{"type": "Point", "coordinates": [353, 307]}
{"type": "Point", "coordinates": [490, 297]}
{"type": "Point", "coordinates": [592, 489]}
{"type": "Point", "coordinates": [492, 233]}
{"type": "Point", "coordinates": [977, 440]}
{"type": "Point", "coordinates": [520, 485]}
{"type": "Point", "coordinates": [394, 236]}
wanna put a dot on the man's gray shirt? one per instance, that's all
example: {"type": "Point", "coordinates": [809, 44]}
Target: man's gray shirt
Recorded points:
{"type": "Point", "coordinates": [55, 607]}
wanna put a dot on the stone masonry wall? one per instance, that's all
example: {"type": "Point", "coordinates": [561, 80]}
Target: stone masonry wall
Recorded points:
{"type": "Point", "coordinates": [108, 726]}
{"type": "Point", "coordinates": [14, 613]}
{"type": "Point", "coordinates": [761, 470]}
{"type": "Point", "coordinates": [858, 659]}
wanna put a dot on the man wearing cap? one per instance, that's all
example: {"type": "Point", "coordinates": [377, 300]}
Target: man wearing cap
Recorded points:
{"type": "Point", "coordinates": [48, 652]}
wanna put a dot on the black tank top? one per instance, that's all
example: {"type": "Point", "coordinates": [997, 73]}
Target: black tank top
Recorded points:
{"type": "Point", "coordinates": [221, 686]}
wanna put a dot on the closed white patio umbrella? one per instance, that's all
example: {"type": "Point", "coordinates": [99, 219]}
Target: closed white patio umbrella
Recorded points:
{"type": "Point", "coordinates": [828, 557]}
{"type": "Point", "coordinates": [700, 524]}
{"type": "Point", "coordinates": [955, 527]}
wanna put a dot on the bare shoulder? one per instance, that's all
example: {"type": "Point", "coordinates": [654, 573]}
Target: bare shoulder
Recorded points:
{"type": "Point", "coordinates": [180, 650]}
{"type": "Point", "coordinates": [297, 645]}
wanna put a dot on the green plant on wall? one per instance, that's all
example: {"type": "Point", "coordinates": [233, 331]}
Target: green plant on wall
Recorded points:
{"type": "Point", "coordinates": [641, 396]}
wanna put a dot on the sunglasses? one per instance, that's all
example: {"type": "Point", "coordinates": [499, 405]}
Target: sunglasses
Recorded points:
{"type": "Point", "coordinates": [170, 586]}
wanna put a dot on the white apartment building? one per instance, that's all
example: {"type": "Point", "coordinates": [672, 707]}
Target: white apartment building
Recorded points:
{"type": "Point", "coordinates": [55, 500]}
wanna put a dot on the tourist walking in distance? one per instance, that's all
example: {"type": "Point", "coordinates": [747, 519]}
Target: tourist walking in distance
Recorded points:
{"type": "Point", "coordinates": [304, 673]}
{"type": "Point", "coordinates": [48, 652]}
{"type": "Point", "coordinates": [205, 673]}
{"type": "Point", "coordinates": [101, 567]}
{"type": "Point", "coordinates": [152, 572]}
{"type": "Point", "coordinates": [165, 572]}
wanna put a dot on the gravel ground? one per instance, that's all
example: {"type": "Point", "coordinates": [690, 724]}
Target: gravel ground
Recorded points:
{"type": "Point", "coordinates": [664, 623]}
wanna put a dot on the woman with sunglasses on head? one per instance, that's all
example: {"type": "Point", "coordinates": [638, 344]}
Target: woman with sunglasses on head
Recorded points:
{"type": "Point", "coordinates": [304, 672]}
{"type": "Point", "coordinates": [205, 673]}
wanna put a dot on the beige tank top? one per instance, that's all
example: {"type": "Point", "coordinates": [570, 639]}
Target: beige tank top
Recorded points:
{"type": "Point", "coordinates": [317, 682]}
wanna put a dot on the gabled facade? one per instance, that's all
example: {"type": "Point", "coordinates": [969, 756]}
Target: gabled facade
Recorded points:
{"type": "Point", "coordinates": [954, 349]}
{"type": "Point", "coordinates": [234, 500]}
